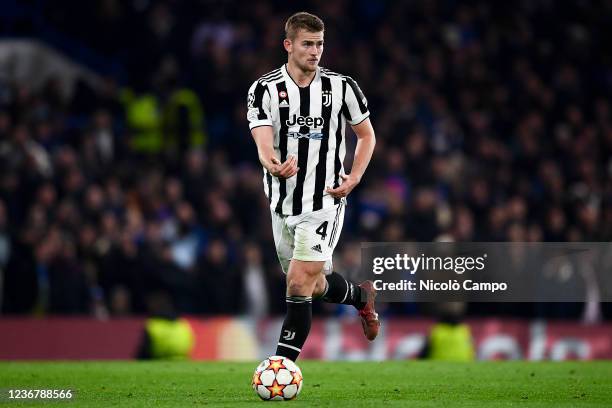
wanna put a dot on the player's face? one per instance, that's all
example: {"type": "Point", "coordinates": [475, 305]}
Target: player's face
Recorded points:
{"type": "Point", "coordinates": [305, 50]}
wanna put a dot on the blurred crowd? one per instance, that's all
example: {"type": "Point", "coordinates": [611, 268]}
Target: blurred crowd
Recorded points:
{"type": "Point", "coordinates": [493, 122]}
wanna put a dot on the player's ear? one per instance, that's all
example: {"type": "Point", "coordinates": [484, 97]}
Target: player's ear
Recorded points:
{"type": "Point", "coordinates": [287, 44]}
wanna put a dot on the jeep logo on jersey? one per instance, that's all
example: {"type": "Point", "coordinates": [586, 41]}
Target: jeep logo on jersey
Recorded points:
{"type": "Point", "coordinates": [312, 122]}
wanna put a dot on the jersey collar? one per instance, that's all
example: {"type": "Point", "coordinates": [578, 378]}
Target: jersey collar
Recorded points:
{"type": "Point", "coordinates": [314, 78]}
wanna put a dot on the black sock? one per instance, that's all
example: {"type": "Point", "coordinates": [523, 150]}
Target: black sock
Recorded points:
{"type": "Point", "coordinates": [295, 327]}
{"type": "Point", "coordinates": [340, 290]}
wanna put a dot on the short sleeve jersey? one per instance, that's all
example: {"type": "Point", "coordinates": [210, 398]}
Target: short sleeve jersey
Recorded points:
{"type": "Point", "coordinates": [308, 122]}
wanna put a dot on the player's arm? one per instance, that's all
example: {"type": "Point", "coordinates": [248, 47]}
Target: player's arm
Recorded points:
{"type": "Point", "coordinates": [260, 123]}
{"type": "Point", "coordinates": [366, 140]}
{"type": "Point", "coordinates": [355, 110]}
{"type": "Point", "coordinates": [264, 138]}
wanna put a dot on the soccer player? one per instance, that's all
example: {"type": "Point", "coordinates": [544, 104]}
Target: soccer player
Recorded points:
{"type": "Point", "coordinates": [297, 116]}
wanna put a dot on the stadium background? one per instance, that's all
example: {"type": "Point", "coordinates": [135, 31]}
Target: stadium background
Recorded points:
{"type": "Point", "coordinates": [127, 170]}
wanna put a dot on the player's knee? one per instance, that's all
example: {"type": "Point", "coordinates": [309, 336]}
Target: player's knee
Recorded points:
{"type": "Point", "coordinates": [301, 283]}
{"type": "Point", "coordinates": [299, 286]}
{"type": "Point", "coordinates": [303, 277]}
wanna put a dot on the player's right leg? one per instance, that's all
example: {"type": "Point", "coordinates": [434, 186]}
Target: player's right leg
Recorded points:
{"type": "Point", "coordinates": [301, 280]}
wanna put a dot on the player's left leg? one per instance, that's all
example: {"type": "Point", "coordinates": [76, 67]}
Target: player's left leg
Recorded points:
{"type": "Point", "coordinates": [334, 288]}
{"type": "Point", "coordinates": [319, 234]}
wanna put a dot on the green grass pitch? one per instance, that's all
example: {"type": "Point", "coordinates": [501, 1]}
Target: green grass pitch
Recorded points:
{"type": "Point", "coordinates": [332, 384]}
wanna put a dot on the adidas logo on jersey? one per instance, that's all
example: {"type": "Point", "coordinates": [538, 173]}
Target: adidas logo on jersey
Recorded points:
{"type": "Point", "coordinates": [317, 248]}
{"type": "Point", "coordinates": [283, 104]}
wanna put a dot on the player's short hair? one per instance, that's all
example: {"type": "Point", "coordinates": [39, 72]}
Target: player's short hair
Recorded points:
{"type": "Point", "coordinates": [303, 21]}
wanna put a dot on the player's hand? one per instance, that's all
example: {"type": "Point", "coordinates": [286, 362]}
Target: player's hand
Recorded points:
{"type": "Point", "coordinates": [348, 184]}
{"type": "Point", "coordinates": [285, 170]}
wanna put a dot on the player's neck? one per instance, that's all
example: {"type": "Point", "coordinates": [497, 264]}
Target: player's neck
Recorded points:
{"type": "Point", "coordinates": [301, 78]}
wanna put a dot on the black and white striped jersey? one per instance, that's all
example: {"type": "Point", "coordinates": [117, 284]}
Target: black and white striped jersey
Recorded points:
{"type": "Point", "coordinates": [309, 123]}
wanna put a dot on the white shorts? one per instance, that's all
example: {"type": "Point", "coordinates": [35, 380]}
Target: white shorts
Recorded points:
{"type": "Point", "coordinates": [308, 237]}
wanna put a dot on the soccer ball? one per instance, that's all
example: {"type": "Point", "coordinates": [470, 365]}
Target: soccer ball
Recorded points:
{"type": "Point", "coordinates": [277, 378]}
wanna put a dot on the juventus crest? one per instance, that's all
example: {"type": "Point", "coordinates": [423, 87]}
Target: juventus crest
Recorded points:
{"type": "Point", "coordinates": [327, 98]}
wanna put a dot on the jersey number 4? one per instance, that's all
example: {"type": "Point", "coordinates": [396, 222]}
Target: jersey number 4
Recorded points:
{"type": "Point", "coordinates": [322, 230]}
